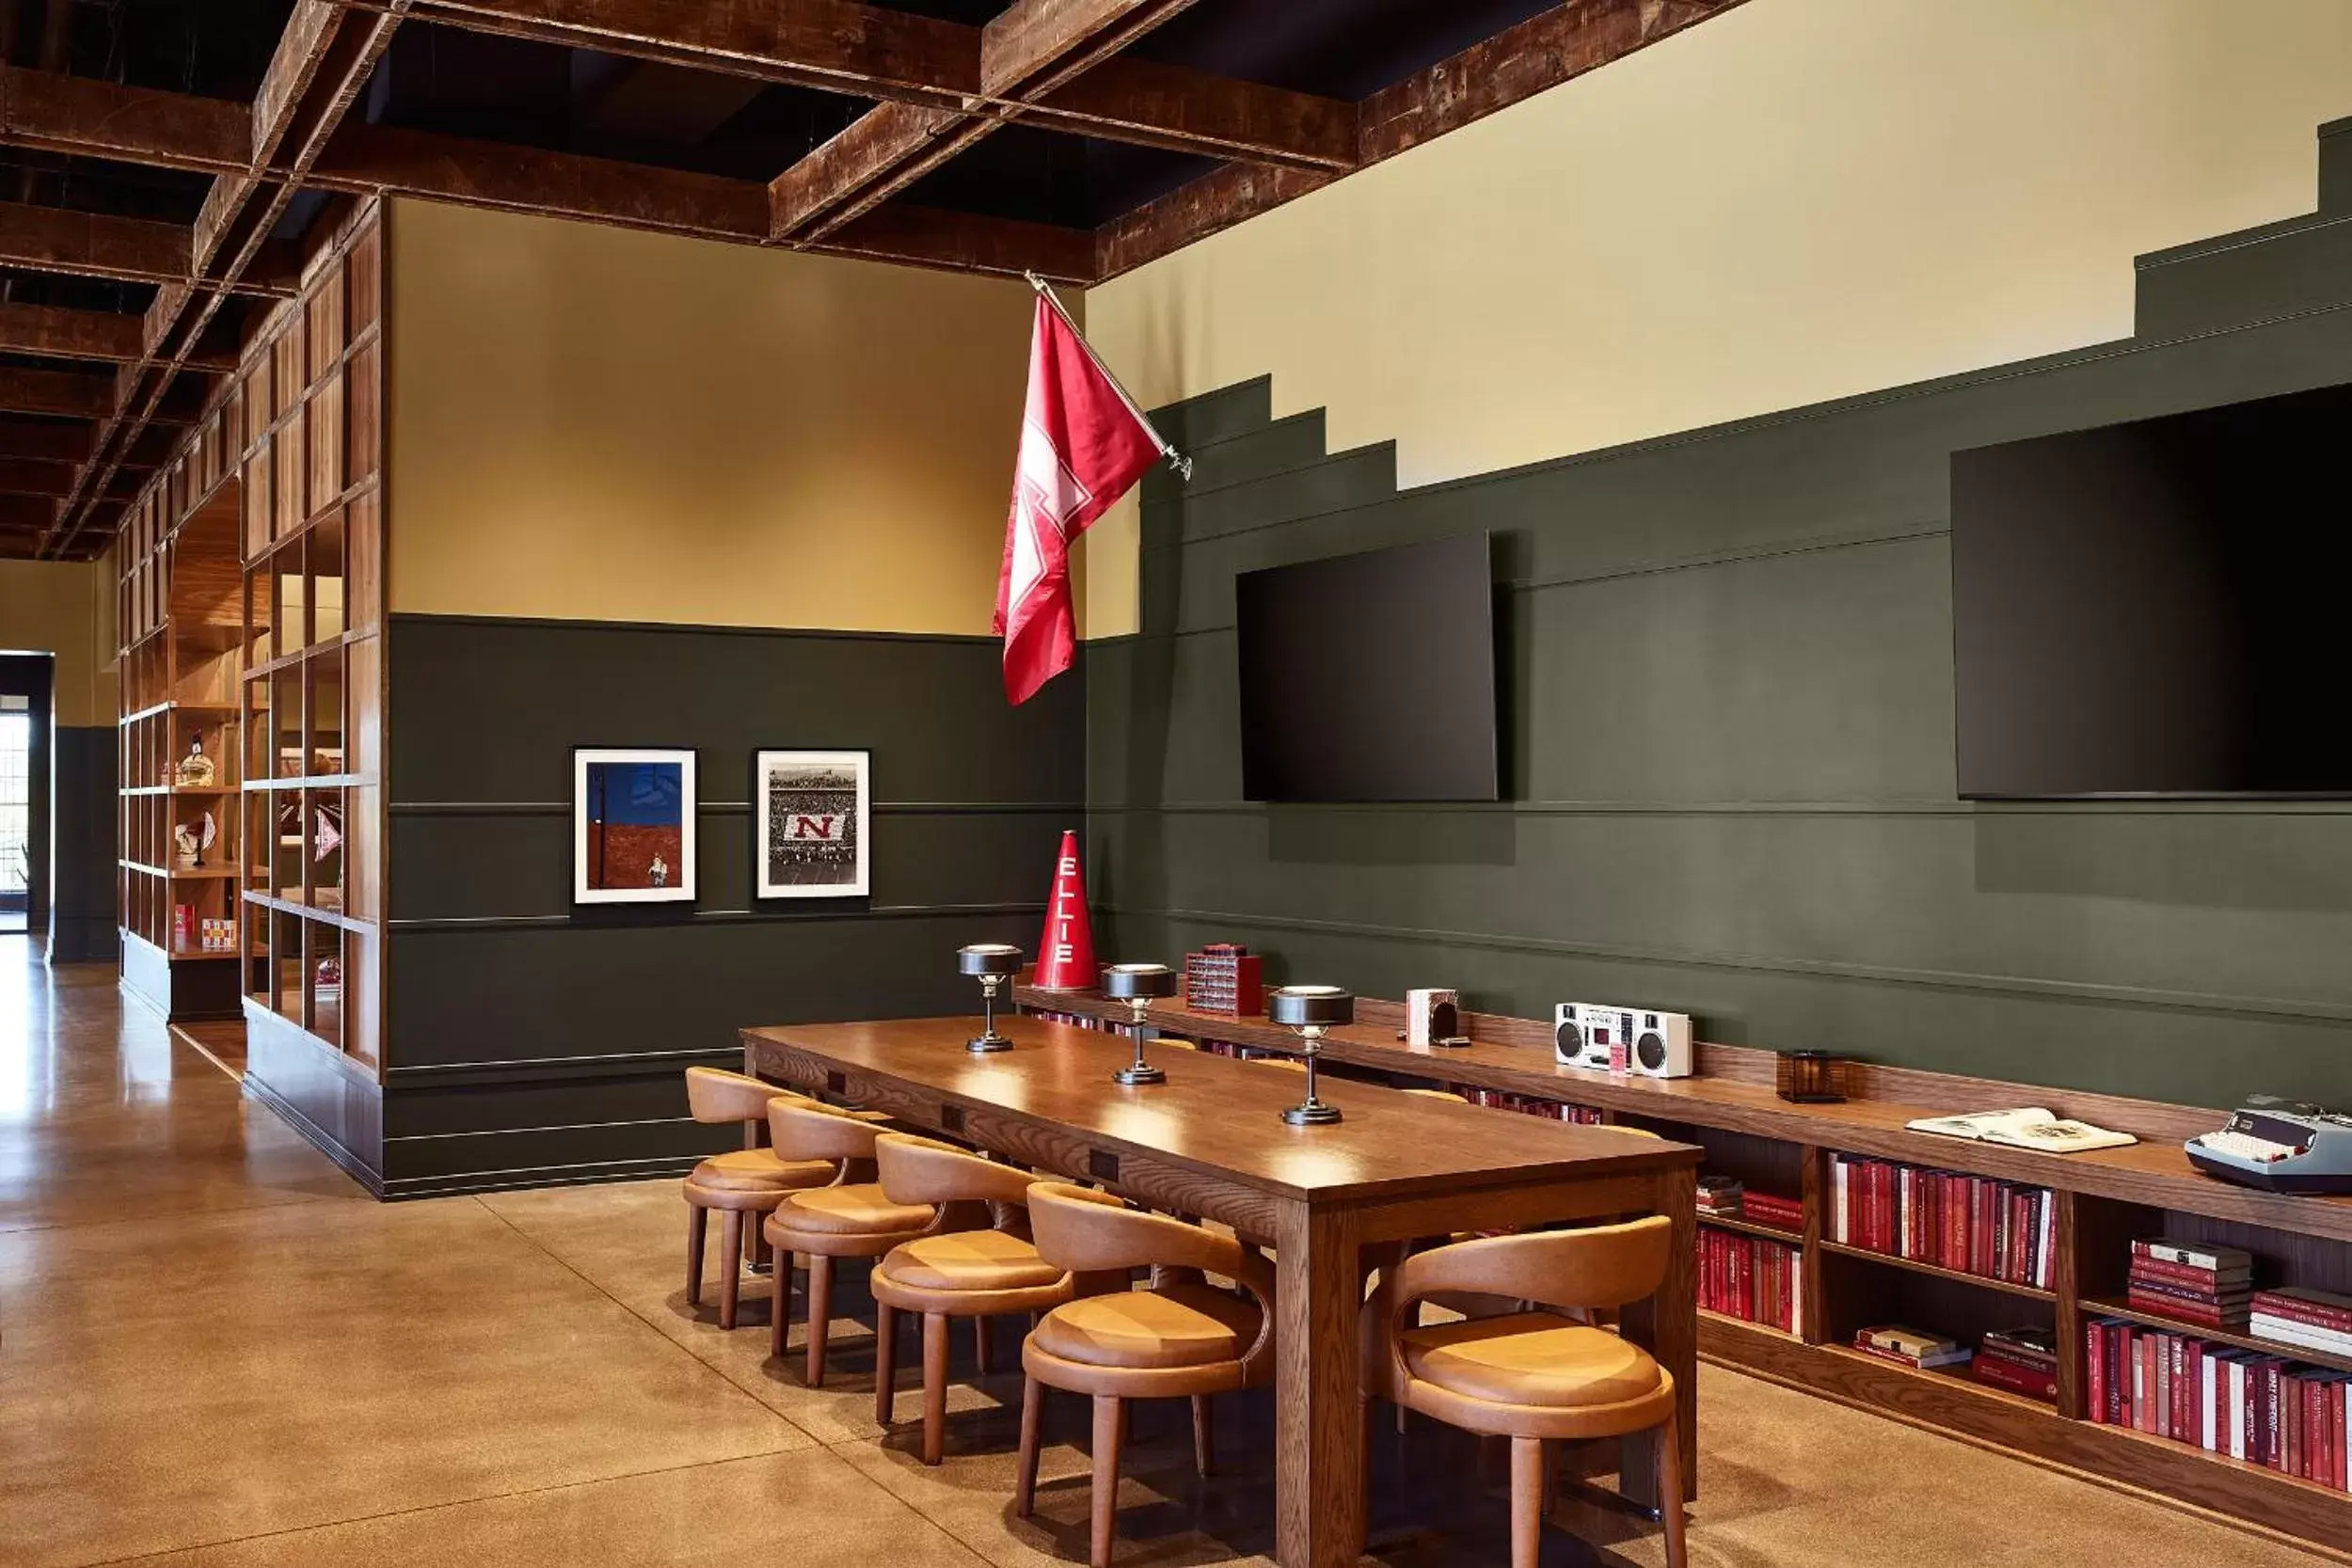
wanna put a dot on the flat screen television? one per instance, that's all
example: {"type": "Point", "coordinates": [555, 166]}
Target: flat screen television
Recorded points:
{"type": "Point", "coordinates": [2158, 608]}
{"type": "Point", "coordinates": [1371, 677]}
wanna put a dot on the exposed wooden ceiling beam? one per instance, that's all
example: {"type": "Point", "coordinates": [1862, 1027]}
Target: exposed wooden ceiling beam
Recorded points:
{"type": "Point", "coordinates": [860, 51]}
{"type": "Point", "coordinates": [55, 332]}
{"type": "Point", "coordinates": [104, 120]}
{"type": "Point", "coordinates": [26, 514]}
{"type": "Point", "coordinates": [95, 244]}
{"type": "Point", "coordinates": [45, 440]}
{"type": "Point", "coordinates": [31, 476]}
{"type": "Point", "coordinates": [1027, 51]}
{"type": "Point", "coordinates": [1517, 63]}
{"type": "Point", "coordinates": [57, 392]}
{"type": "Point", "coordinates": [367, 159]}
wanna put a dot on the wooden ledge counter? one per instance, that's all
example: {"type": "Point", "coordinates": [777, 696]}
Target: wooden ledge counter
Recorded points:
{"type": "Point", "coordinates": [1211, 1141]}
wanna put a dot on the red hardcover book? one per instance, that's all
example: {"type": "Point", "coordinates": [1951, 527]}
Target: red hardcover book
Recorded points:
{"type": "Point", "coordinates": [2145, 1267]}
{"type": "Point", "coordinates": [2303, 1309]}
{"type": "Point", "coordinates": [2274, 1435]}
{"type": "Point", "coordinates": [2095, 1369]}
{"type": "Point", "coordinates": [2188, 1312]}
{"type": "Point", "coordinates": [1955, 1222]}
{"type": "Point", "coordinates": [2120, 1374]}
{"type": "Point", "coordinates": [2001, 1372]}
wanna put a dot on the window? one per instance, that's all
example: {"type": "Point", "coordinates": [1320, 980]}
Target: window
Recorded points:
{"type": "Point", "coordinates": [16, 802]}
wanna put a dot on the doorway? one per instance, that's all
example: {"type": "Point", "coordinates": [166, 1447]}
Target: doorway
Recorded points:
{"type": "Point", "coordinates": [24, 871]}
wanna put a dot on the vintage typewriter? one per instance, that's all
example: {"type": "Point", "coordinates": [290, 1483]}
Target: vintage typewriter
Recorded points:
{"type": "Point", "coordinates": [2284, 1145]}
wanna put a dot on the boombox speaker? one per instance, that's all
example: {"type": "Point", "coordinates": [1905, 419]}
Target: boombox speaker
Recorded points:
{"type": "Point", "coordinates": [1623, 1039]}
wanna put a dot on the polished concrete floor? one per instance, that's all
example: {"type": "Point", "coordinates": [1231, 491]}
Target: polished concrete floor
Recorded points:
{"type": "Point", "coordinates": [215, 1350]}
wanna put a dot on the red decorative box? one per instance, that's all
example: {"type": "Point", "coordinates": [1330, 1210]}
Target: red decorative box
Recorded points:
{"type": "Point", "coordinates": [1223, 977]}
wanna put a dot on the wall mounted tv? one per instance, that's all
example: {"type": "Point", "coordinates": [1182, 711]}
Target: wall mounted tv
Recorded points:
{"type": "Point", "coordinates": [1371, 676]}
{"type": "Point", "coordinates": [2158, 608]}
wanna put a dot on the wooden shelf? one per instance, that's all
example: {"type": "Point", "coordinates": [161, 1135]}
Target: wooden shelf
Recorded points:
{"type": "Point", "coordinates": [181, 872]}
{"type": "Point", "coordinates": [177, 706]}
{"type": "Point", "coordinates": [2099, 1306]}
{"type": "Point", "coordinates": [2101, 1199]}
{"type": "Point", "coordinates": [1734, 1093]}
{"type": "Point", "coordinates": [2031, 1292]}
{"type": "Point", "coordinates": [1749, 1228]}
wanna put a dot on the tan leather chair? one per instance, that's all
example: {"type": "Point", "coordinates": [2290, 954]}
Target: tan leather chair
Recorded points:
{"type": "Point", "coordinates": [977, 1274]}
{"type": "Point", "coordinates": [1180, 1339]}
{"type": "Point", "coordinates": [1535, 1377]}
{"type": "Point", "coordinates": [850, 1219]}
{"type": "Point", "coordinates": [740, 1181]}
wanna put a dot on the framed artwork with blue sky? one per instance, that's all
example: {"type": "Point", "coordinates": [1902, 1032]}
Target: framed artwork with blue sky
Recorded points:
{"type": "Point", "coordinates": [632, 825]}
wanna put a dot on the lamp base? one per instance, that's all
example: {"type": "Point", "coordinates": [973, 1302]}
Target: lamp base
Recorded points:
{"type": "Point", "coordinates": [981, 1045]}
{"type": "Point", "coordinates": [1133, 1076]}
{"type": "Point", "coordinates": [1314, 1114]}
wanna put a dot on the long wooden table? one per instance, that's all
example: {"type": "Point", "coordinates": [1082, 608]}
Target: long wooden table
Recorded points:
{"type": "Point", "coordinates": [1211, 1141]}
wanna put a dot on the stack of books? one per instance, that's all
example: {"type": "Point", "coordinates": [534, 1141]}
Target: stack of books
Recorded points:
{"type": "Point", "coordinates": [1910, 1347]}
{"type": "Point", "coordinates": [1752, 1279]}
{"type": "Point", "coordinates": [1781, 1214]}
{"type": "Point", "coordinates": [2312, 1320]}
{"type": "Point", "coordinates": [2023, 1360]}
{"type": "Point", "coordinates": [2266, 1410]}
{"type": "Point", "coordinates": [1967, 1224]}
{"type": "Point", "coordinates": [1721, 1196]}
{"type": "Point", "coordinates": [2209, 1286]}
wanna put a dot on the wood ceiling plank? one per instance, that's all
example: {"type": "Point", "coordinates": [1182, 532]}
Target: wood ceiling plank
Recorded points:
{"type": "Point", "coordinates": [24, 390]}
{"type": "Point", "coordinates": [965, 242]}
{"type": "Point", "coordinates": [44, 440]}
{"type": "Point", "coordinates": [1126, 99]}
{"type": "Point", "coordinates": [57, 332]}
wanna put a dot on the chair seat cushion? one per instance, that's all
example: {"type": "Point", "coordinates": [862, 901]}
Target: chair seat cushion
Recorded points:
{"type": "Point", "coordinates": [1178, 1326]}
{"type": "Point", "coordinates": [1529, 1358]}
{"type": "Point", "coordinates": [757, 1169]}
{"type": "Point", "coordinates": [859, 1209]}
{"type": "Point", "coordinates": [969, 1260]}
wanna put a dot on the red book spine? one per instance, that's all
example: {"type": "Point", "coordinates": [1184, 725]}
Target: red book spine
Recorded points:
{"type": "Point", "coordinates": [2274, 1452]}
{"type": "Point", "coordinates": [1955, 1222]}
{"type": "Point", "coordinates": [2095, 1365]}
{"type": "Point", "coordinates": [2035, 1382]}
{"type": "Point", "coordinates": [2333, 1319]}
{"type": "Point", "coordinates": [2145, 1267]}
{"type": "Point", "coordinates": [2171, 1306]}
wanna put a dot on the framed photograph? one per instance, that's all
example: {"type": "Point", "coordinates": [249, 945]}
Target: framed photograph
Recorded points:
{"type": "Point", "coordinates": [812, 812]}
{"type": "Point", "coordinates": [632, 825]}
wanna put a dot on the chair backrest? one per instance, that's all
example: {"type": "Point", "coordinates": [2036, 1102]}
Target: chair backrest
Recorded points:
{"type": "Point", "coordinates": [805, 1130]}
{"type": "Point", "coordinates": [716, 1095]}
{"type": "Point", "coordinates": [1091, 1232]}
{"type": "Point", "coordinates": [1601, 1266]}
{"type": "Point", "coordinates": [923, 1170]}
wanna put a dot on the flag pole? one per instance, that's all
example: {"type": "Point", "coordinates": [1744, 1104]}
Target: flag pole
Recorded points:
{"type": "Point", "coordinates": [1177, 460]}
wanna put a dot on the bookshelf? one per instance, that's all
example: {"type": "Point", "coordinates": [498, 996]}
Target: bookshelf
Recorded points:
{"type": "Point", "coordinates": [251, 599]}
{"type": "Point", "coordinates": [176, 603]}
{"type": "Point", "coordinates": [2099, 1202]}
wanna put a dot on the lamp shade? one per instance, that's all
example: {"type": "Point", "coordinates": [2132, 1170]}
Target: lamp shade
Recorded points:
{"type": "Point", "coordinates": [988, 957]}
{"type": "Point", "coordinates": [1129, 981]}
{"type": "Point", "coordinates": [1297, 1006]}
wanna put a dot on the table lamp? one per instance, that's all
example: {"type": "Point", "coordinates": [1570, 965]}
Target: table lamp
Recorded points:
{"type": "Point", "coordinates": [991, 964]}
{"type": "Point", "coordinates": [1138, 986]}
{"type": "Point", "coordinates": [1311, 1010]}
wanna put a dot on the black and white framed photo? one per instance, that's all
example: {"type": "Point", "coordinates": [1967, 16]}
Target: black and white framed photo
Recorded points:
{"type": "Point", "coordinates": [812, 812]}
{"type": "Point", "coordinates": [632, 825]}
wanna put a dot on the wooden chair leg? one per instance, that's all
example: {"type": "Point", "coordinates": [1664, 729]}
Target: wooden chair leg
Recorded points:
{"type": "Point", "coordinates": [1550, 1464]}
{"type": "Point", "coordinates": [730, 1265]}
{"type": "Point", "coordinates": [820, 1316]}
{"type": "Point", "coordinates": [980, 1345]}
{"type": "Point", "coordinates": [697, 1231]}
{"type": "Point", "coordinates": [1527, 1487]}
{"type": "Point", "coordinates": [885, 1362]}
{"type": "Point", "coordinates": [780, 1318]}
{"type": "Point", "coordinates": [1203, 1434]}
{"type": "Point", "coordinates": [1670, 1488]}
{"type": "Point", "coordinates": [1032, 1417]}
{"type": "Point", "coordinates": [935, 1327]}
{"type": "Point", "coordinates": [1111, 1435]}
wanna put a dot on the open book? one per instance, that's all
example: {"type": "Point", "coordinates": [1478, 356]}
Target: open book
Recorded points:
{"type": "Point", "coordinates": [2031, 1128]}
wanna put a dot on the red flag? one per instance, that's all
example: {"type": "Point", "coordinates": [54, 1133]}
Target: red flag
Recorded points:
{"type": "Point", "coordinates": [1081, 446]}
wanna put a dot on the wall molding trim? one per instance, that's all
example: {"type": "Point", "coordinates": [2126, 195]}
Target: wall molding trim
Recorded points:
{"type": "Point", "coordinates": [429, 924]}
{"type": "Point", "coordinates": [2319, 1013]}
{"type": "Point", "coordinates": [553, 622]}
{"type": "Point", "coordinates": [740, 808]}
{"type": "Point", "coordinates": [610, 1065]}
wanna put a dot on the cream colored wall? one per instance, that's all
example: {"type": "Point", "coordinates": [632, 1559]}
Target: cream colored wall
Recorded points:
{"type": "Point", "coordinates": [66, 609]}
{"type": "Point", "coordinates": [1797, 200]}
{"type": "Point", "coordinates": [593, 423]}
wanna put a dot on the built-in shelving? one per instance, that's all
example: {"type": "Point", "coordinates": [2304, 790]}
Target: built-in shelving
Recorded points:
{"type": "Point", "coordinates": [2100, 1201]}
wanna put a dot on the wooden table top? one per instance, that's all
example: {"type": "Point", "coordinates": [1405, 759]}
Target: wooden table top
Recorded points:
{"type": "Point", "coordinates": [1223, 1116]}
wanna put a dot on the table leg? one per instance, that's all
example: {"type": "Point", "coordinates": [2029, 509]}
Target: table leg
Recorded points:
{"type": "Point", "coordinates": [1667, 1325]}
{"type": "Point", "coordinates": [1318, 1421]}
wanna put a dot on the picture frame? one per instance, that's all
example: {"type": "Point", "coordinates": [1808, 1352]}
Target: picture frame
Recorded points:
{"type": "Point", "coordinates": [633, 838]}
{"type": "Point", "coordinates": [812, 824]}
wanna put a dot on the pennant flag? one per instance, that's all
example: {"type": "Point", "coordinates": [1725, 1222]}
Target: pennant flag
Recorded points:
{"type": "Point", "coordinates": [1082, 446]}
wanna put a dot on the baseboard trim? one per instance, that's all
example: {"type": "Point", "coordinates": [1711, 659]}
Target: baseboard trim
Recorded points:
{"type": "Point", "coordinates": [587, 1174]}
{"type": "Point", "coordinates": [316, 1135]}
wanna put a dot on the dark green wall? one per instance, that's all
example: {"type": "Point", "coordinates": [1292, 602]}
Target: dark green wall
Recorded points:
{"type": "Point", "coordinates": [531, 1042]}
{"type": "Point", "coordinates": [1729, 736]}
{"type": "Point", "coordinates": [82, 835]}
